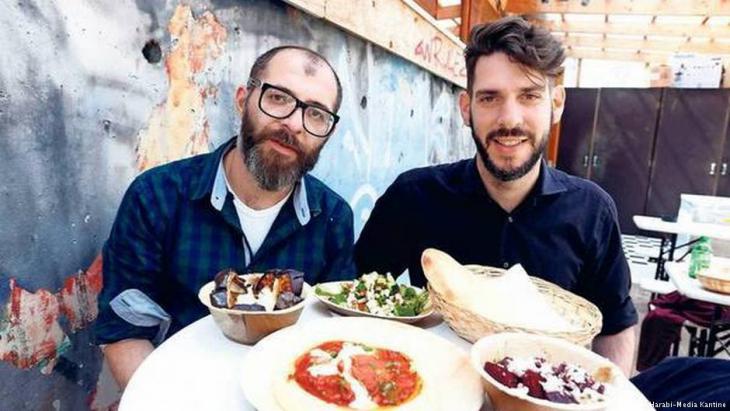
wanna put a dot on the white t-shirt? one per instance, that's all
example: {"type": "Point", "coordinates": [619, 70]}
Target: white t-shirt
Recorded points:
{"type": "Point", "coordinates": [255, 224]}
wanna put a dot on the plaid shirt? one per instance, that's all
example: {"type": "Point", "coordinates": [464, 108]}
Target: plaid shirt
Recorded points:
{"type": "Point", "coordinates": [177, 227]}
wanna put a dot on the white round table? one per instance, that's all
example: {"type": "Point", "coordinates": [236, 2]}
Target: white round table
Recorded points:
{"type": "Point", "coordinates": [199, 369]}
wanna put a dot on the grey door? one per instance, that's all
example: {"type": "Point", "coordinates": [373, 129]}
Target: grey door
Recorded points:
{"type": "Point", "coordinates": [576, 129]}
{"type": "Point", "coordinates": [622, 147]}
{"type": "Point", "coordinates": [691, 129]}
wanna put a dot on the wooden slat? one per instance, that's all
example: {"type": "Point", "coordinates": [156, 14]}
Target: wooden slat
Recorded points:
{"type": "Point", "coordinates": [313, 7]}
{"type": "Point", "coordinates": [483, 11]}
{"type": "Point", "coordinates": [449, 12]}
{"type": "Point", "coordinates": [599, 54]}
{"type": "Point", "coordinates": [638, 29]}
{"type": "Point", "coordinates": [431, 6]}
{"type": "Point", "coordinates": [475, 12]}
{"type": "Point", "coordinates": [652, 7]}
{"type": "Point", "coordinates": [647, 45]}
{"type": "Point", "coordinates": [403, 28]}
{"type": "Point", "coordinates": [465, 19]}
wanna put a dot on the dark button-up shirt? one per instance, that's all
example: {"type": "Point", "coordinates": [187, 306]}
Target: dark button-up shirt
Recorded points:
{"type": "Point", "coordinates": [565, 231]}
{"type": "Point", "coordinates": [177, 227]}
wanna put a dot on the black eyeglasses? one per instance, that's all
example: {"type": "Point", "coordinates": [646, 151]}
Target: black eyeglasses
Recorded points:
{"type": "Point", "coordinates": [280, 104]}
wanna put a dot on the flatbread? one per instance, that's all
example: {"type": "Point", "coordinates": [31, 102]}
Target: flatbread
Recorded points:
{"type": "Point", "coordinates": [291, 397]}
{"type": "Point", "coordinates": [449, 381]}
{"type": "Point", "coordinates": [511, 298]}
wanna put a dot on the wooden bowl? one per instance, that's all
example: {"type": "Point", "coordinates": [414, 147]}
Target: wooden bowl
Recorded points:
{"type": "Point", "coordinates": [247, 327]}
{"type": "Point", "coordinates": [554, 350]}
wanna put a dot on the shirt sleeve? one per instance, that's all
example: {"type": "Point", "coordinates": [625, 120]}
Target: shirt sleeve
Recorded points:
{"type": "Point", "coordinates": [608, 280]}
{"type": "Point", "coordinates": [340, 244]}
{"type": "Point", "coordinates": [132, 260]}
{"type": "Point", "coordinates": [383, 243]}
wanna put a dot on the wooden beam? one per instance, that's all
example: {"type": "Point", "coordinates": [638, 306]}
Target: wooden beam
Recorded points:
{"type": "Point", "coordinates": [401, 27]}
{"type": "Point", "coordinates": [598, 54]}
{"type": "Point", "coordinates": [483, 11]}
{"type": "Point", "coordinates": [449, 12]}
{"type": "Point", "coordinates": [475, 12]}
{"type": "Point", "coordinates": [647, 45]}
{"type": "Point", "coordinates": [652, 7]}
{"type": "Point", "coordinates": [465, 19]}
{"type": "Point", "coordinates": [683, 30]}
{"type": "Point", "coordinates": [554, 136]}
{"type": "Point", "coordinates": [313, 7]}
{"type": "Point", "coordinates": [431, 6]}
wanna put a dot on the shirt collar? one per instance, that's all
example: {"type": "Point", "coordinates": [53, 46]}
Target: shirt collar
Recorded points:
{"type": "Point", "coordinates": [548, 182]}
{"type": "Point", "coordinates": [212, 180]}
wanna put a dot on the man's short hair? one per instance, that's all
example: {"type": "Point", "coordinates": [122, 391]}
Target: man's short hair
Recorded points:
{"type": "Point", "coordinates": [523, 42]}
{"type": "Point", "coordinates": [259, 66]}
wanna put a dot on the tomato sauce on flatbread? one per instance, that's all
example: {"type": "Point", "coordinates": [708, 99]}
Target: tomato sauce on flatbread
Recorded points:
{"type": "Point", "coordinates": [387, 376]}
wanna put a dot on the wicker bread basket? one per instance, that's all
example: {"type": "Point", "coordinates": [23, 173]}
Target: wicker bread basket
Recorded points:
{"type": "Point", "coordinates": [576, 310]}
{"type": "Point", "coordinates": [714, 284]}
{"type": "Point", "coordinates": [716, 277]}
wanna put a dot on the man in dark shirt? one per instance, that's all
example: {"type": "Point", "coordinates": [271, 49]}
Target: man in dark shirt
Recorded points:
{"type": "Point", "coordinates": [250, 205]}
{"type": "Point", "coordinates": [506, 206]}
{"type": "Point", "coordinates": [686, 383]}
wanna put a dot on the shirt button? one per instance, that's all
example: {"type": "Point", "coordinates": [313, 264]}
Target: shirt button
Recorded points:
{"type": "Point", "coordinates": [509, 218]}
{"type": "Point", "coordinates": [505, 265]}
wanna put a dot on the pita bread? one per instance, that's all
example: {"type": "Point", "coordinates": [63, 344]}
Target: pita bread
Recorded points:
{"type": "Point", "coordinates": [511, 299]}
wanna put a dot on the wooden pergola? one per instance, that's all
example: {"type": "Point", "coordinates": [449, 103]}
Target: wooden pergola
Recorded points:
{"type": "Point", "coordinates": [649, 31]}
{"type": "Point", "coordinates": [431, 33]}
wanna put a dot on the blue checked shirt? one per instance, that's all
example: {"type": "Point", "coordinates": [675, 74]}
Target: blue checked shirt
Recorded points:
{"type": "Point", "coordinates": [177, 227]}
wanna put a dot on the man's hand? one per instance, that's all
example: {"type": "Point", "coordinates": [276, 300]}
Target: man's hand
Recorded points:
{"type": "Point", "coordinates": [124, 357]}
{"type": "Point", "coordinates": [619, 348]}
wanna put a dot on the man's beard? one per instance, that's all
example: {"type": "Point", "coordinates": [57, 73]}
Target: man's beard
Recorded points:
{"type": "Point", "coordinates": [274, 171]}
{"type": "Point", "coordinates": [514, 173]}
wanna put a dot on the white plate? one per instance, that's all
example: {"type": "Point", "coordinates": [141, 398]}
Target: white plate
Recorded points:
{"type": "Point", "coordinates": [443, 366]}
{"type": "Point", "coordinates": [334, 286]}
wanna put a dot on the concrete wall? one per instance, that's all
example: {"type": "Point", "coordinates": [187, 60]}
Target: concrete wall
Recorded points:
{"type": "Point", "coordinates": [83, 110]}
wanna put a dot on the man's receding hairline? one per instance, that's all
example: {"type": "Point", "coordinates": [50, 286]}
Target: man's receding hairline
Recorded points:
{"type": "Point", "coordinates": [313, 62]}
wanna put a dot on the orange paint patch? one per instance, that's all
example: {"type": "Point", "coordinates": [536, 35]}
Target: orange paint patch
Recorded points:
{"type": "Point", "coordinates": [178, 128]}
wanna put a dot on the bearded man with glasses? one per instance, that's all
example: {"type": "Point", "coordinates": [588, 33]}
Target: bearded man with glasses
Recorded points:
{"type": "Point", "coordinates": [250, 205]}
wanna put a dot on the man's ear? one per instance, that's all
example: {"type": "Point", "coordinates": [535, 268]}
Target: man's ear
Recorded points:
{"type": "Point", "coordinates": [557, 101]}
{"type": "Point", "coordinates": [241, 94]}
{"type": "Point", "coordinates": [464, 103]}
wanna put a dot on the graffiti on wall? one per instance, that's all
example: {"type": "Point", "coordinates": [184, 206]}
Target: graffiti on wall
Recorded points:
{"type": "Point", "coordinates": [30, 333]}
{"type": "Point", "coordinates": [434, 51]}
{"type": "Point", "coordinates": [394, 118]}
